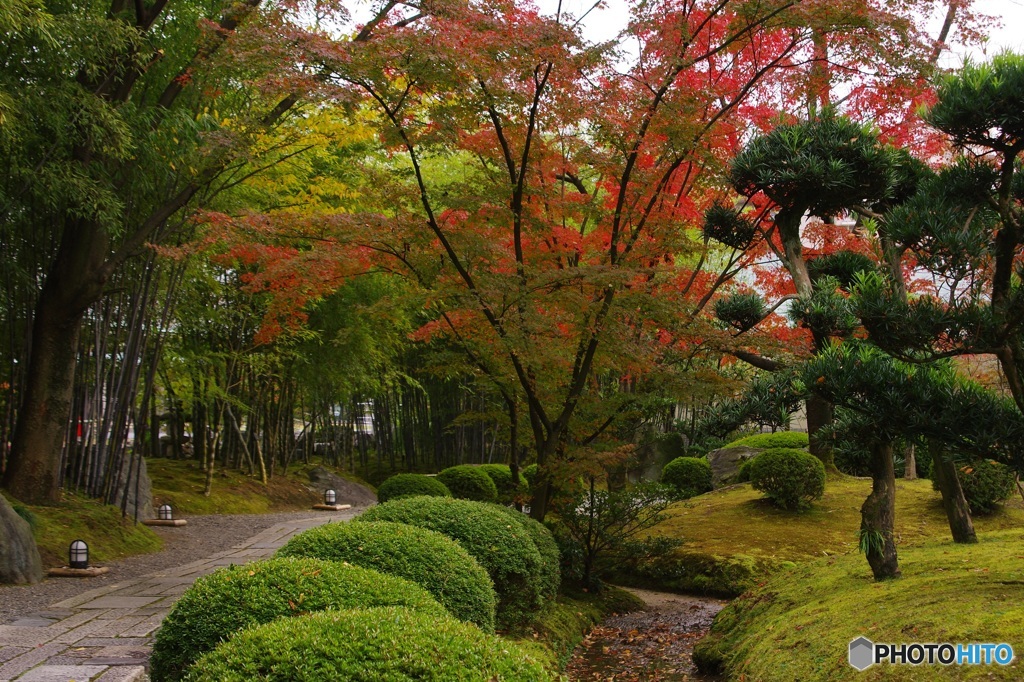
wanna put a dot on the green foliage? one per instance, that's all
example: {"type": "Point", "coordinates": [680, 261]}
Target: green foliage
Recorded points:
{"type": "Point", "coordinates": [597, 529]}
{"type": "Point", "coordinates": [986, 484]}
{"type": "Point", "coordinates": [825, 165]}
{"type": "Point", "coordinates": [982, 104]}
{"type": "Point", "coordinates": [670, 445]}
{"type": "Point", "coordinates": [741, 311]}
{"type": "Point", "coordinates": [725, 225]}
{"type": "Point", "coordinates": [530, 474]}
{"type": "Point", "coordinates": [827, 312]}
{"type": "Point", "coordinates": [688, 476]}
{"type": "Point", "coordinates": [550, 575]}
{"type": "Point", "coordinates": [468, 482]}
{"type": "Point", "coordinates": [841, 266]}
{"type": "Point", "coordinates": [26, 514]}
{"type": "Point", "coordinates": [410, 485]}
{"type": "Point", "coordinates": [367, 644]}
{"type": "Point", "coordinates": [743, 473]}
{"type": "Point", "coordinates": [769, 400]}
{"type": "Point", "coordinates": [230, 599]}
{"type": "Point", "coordinates": [790, 478]}
{"type": "Point", "coordinates": [779, 439]}
{"type": "Point", "coordinates": [501, 474]}
{"type": "Point", "coordinates": [435, 562]}
{"type": "Point", "coordinates": [484, 530]}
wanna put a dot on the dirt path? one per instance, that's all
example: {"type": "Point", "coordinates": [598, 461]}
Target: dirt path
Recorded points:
{"type": "Point", "coordinates": [653, 645]}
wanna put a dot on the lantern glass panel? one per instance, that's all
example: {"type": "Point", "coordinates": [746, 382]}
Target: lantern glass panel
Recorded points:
{"type": "Point", "coordinates": [330, 497]}
{"type": "Point", "coordinates": [164, 512]}
{"type": "Point", "coordinates": [78, 554]}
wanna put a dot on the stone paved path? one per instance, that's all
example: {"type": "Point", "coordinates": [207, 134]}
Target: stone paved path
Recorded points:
{"type": "Point", "coordinates": [106, 634]}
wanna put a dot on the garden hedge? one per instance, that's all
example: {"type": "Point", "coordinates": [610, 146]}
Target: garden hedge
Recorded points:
{"type": "Point", "coordinates": [501, 474]}
{"type": "Point", "coordinates": [689, 476]}
{"type": "Point", "coordinates": [986, 485]}
{"type": "Point", "coordinates": [779, 439]}
{"type": "Point", "coordinates": [790, 478]}
{"type": "Point", "coordinates": [230, 599]}
{"type": "Point", "coordinates": [547, 547]}
{"type": "Point", "coordinates": [469, 483]}
{"type": "Point", "coordinates": [381, 644]}
{"type": "Point", "coordinates": [506, 552]}
{"type": "Point", "coordinates": [435, 562]}
{"type": "Point", "coordinates": [410, 485]}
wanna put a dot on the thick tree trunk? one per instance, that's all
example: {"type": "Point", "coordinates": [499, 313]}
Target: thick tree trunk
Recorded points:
{"type": "Point", "coordinates": [819, 414]}
{"type": "Point", "coordinates": [958, 512]}
{"type": "Point", "coordinates": [33, 471]}
{"type": "Point", "coordinates": [878, 515]}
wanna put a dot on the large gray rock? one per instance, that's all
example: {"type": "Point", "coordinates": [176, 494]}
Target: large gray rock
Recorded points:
{"type": "Point", "coordinates": [725, 462]}
{"type": "Point", "coordinates": [19, 558]}
{"type": "Point", "coordinates": [139, 488]}
{"type": "Point", "coordinates": [349, 492]}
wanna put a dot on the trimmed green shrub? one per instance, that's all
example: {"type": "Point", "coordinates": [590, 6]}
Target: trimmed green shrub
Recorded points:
{"type": "Point", "coordinates": [550, 555]}
{"type": "Point", "coordinates": [410, 485]}
{"type": "Point", "coordinates": [986, 485]}
{"type": "Point", "coordinates": [386, 644]}
{"type": "Point", "coordinates": [501, 474]}
{"type": "Point", "coordinates": [435, 562]}
{"type": "Point", "coordinates": [780, 439]}
{"type": "Point", "coordinates": [530, 474]}
{"type": "Point", "coordinates": [484, 530]}
{"type": "Point", "coordinates": [788, 477]}
{"type": "Point", "coordinates": [230, 599]}
{"type": "Point", "coordinates": [469, 483]}
{"type": "Point", "coordinates": [690, 476]}
{"type": "Point", "coordinates": [743, 473]}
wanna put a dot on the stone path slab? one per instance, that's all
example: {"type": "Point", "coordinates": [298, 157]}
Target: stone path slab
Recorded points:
{"type": "Point", "coordinates": [106, 634]}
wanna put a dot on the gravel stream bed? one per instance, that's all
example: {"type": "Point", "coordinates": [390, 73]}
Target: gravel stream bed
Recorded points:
{"type": "Point", "coordinates": [203, 536]}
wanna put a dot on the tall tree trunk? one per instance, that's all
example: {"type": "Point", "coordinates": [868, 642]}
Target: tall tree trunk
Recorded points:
{"type": "Point", "coordinates": [958, 512]}
{"type": "Point", "coordinates": [910, 463]}
{"type": "Point", "coordinates": [878, 515]}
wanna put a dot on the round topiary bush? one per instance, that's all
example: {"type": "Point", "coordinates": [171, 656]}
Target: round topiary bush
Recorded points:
{"type": "Point", "coordinates": [690, 476]}
{"type": "Point", "coordinates": [781, 439]}
{"type": "Point", "coordinates": [530, 474]}
{"type": "Point", "coordinates": [505, 551]}
{"type": "Point", "coordinates": [410, 485]}
{"type": "Point", "coordinates": [501, 474]}
{"type": "Point", "coordinates": [986, 485]}
{"type": "Point", "coordinates": [435, 562]}
{"type": "Point", "coordinates": [790, 478]}
{"type": "Point", "coordinates": [550, 554]}
{"type": "Point", "coordinates": [222, 603]}
{"type": "Point", "coordinates": [367, 644]}
{"type": "Point", "coordinates": [469, 483]}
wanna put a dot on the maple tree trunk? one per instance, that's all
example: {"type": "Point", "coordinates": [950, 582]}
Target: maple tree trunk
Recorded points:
{"type": "Point", "coordinates": [878, 515]}
{"type": "Point", "coordinates": [958, 512]}
{"type": "Point", "coordinates": [33, 469]}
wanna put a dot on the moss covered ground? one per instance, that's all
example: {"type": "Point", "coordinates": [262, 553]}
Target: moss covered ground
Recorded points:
{"type": "Point", "coordinates": [77, 517]}
{"type": "Point", "coordinates": [180, 483]}
{"type": "Point", "coordinates": [733, 539]}
{"type": "Point", "coordinates": [798, 625]}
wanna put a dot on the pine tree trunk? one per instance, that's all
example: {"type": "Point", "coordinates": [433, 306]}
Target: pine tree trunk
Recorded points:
{"type": "Point", "coordinates": [819, 414]}
{"type": "Point", "coordinates": [878, 515]}
{"type": "Point", "coordinates": [958, 512]}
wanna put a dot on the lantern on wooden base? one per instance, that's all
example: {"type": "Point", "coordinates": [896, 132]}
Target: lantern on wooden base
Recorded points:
{"type": "Point", "coordinates": [165, 513]}
{"type": "Point", "coordinates": [330, 497]}
{"type": "Point", "coordinates": [78, 554]}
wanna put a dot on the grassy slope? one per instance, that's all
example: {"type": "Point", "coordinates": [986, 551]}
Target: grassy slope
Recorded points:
{"type": "Point", "coordinates": [180, 483]}
{"type": "Point", "coordinates": [100, 525]}
{"type": "Point", "coordinates": [733, 539]}
{"type": "Point", "coordinates": [798, 626]}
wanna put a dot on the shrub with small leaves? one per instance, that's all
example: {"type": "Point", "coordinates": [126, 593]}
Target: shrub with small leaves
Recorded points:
{"type": "Point", "coordinates": [432, 560]}
{"type": "Point", "coordinates": [410, 485]}
{"type": "Point", "coordinates": [788, 477]}
{"type": "Point", "coordinates": [469, 483]}
{"type": "Point", "coordinates": [544, 541]}
{"type": "Point", "coordinates": [230, 599]}
{"type": "Point", "coordinates": [503, 548]}
{"type": "Point", "coordinates": [689, 476]}
{"type": "Point", "coordinates": [501, 474]}
{"type": "Point", "coordinates": [530, 474]}
{"type": "Point", "coordinates": [779, 439]}
{"type": "Point", "coordinates": [368, 644]}
{"type": "Point", "coordinates": [986, 485]}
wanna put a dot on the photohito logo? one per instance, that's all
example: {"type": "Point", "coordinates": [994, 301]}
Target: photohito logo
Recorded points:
{"type": "Point", "coordinates": [864, 653]}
